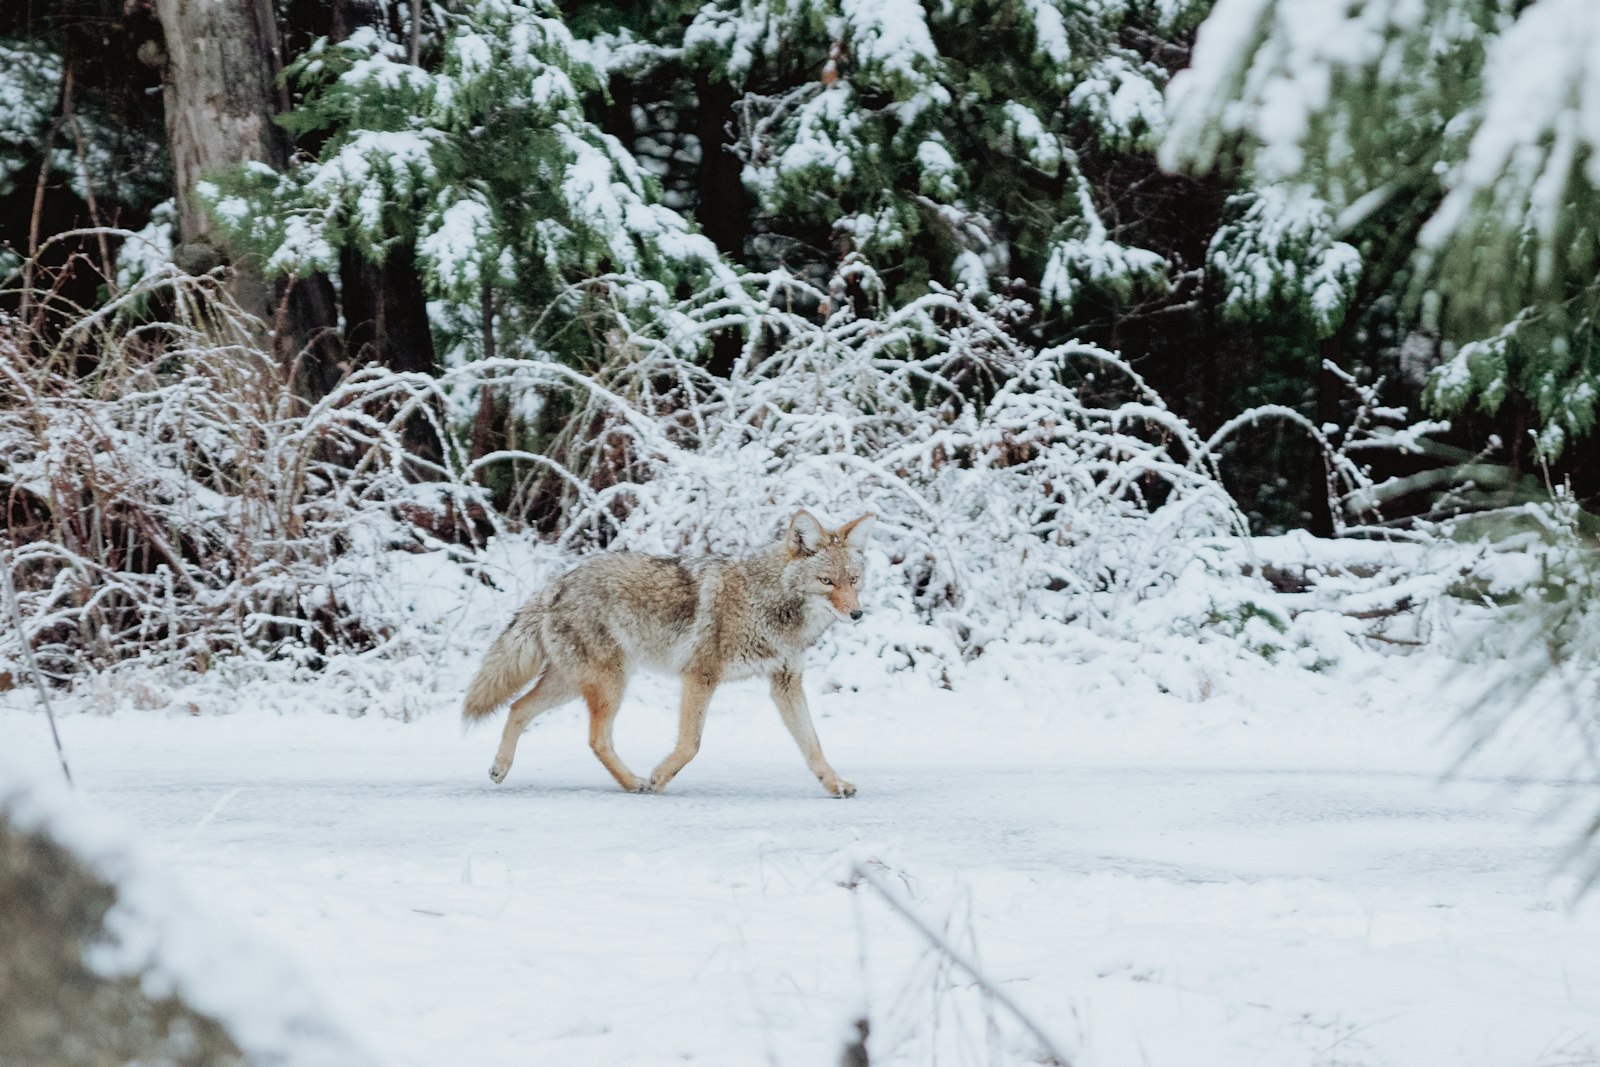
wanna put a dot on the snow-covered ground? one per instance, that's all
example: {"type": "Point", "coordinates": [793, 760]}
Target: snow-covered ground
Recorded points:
{"type": "Point", "coordinates": [1272, 873]}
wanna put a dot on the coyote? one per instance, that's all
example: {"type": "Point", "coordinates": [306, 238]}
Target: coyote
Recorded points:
{"type": "Point", "coordinates": [708, 619]}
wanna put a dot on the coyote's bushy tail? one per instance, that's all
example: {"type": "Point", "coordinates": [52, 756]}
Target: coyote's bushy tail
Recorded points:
{"type": "Point", "coordinates": [514, 660]}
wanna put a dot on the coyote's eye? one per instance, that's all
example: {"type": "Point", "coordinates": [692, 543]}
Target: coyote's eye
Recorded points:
{"type": "Point", "coordinates": [855, 579]}
{"type": "Point", "coordinates": [828, 582]}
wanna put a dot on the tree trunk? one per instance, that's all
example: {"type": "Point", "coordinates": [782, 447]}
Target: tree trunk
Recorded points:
{"type": "Point", "coordinates": [723, 211]}
{"type": "Point", "coordinates": [219, 101]}
{"type": "Point", "coordinates": [385, 307]}
{"type": "Point", "coordinates": [488, 425]}
{"type": "Point", "coordinates": [386, 322]}
{"type": "Point", "coordinates": [219, 80]}
{"type": "Point", "coordinates": [724, 215]}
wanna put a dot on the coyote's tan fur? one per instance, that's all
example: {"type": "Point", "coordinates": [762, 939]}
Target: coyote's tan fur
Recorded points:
{"type": "Point", "coordinates": [708, 619]}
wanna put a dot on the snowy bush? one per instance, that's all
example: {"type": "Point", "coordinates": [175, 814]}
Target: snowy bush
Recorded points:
{"type": "Point", "coordinates": [176, 503]}
{"type": "Point", "coordinates": [1011, 482]}
{"type": "Point", "coordinates": [168, 499]}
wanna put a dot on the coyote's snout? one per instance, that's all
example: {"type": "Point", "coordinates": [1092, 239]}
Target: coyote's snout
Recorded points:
{"type": "Point", "coordinates": [707, 619]}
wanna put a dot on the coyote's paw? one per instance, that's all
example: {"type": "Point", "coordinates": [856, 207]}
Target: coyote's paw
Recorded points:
{"type": "Point", "coordinates": [656, 784]}
{"type": "Point", "coordinates": [497, 773]}
{"type": "Point", "coordinates": [838, 787]}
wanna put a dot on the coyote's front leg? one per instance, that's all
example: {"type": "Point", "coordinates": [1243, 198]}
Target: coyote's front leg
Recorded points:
{"type": "Point", "coordinates": [790, 697]}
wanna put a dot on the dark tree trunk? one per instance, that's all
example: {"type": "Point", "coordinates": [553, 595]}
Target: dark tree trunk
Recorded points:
{"type": "Point", "coordinates": [220, 68]}
{"type": "Point", "coordinates": [385, 307]}
{"type": "Point", "coordinates": [489, 424]}
{"type": "Point", "coordinates": [386, 315]}
{"type": "Point", "coordinates": [351, 15]}
{"type": "Point", "coordinates": [386, 322]}
{"type": "Point", "coordinates": [724, 214]}
{"type": "Point", "coordinates": [616, 113]}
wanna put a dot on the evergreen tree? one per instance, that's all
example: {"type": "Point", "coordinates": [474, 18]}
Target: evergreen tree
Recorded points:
{"type": "Point", "coordinates": [1479, 121]}
{"type": "Point", "coordinates": [944, 142]}
{"type": "Point", "coordinates": [487, 164]}
{"type": "Point", "coordinates": [514, 166]}
{"type": "Point", "coordinates": [1004, 147]}
{"type": "Point", "coordinates": [81, 139]}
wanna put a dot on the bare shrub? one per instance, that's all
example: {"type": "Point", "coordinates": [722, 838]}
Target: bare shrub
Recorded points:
{"type": "Point", "coordinates": [1013, 482]}
{"type": "Point", "coordinates": [167, 497]}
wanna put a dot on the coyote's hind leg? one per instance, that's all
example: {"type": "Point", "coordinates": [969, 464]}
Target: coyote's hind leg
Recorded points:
{"type": "Point", "coordinates": [603, 694]}
{"type": "Point", "coordinates": [552, 689]}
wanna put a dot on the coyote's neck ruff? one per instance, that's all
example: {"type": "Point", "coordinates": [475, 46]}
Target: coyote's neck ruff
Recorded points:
{"type": "Point", "coordinates": [707, 619]}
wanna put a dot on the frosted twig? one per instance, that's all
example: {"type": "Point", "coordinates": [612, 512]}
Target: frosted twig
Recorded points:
{"type": "Point", "coordinates": [1047, 1044]}
{"type": "Point", "coordinates": [27, 658]}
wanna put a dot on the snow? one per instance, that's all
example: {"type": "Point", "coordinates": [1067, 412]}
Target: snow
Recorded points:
{"type": "Point", "coordinates": [357, 187]}
{"type": "Point", "coordinates": [1169, 850]}
{"type": "Point", "coordinates": [29, 77]}
{"type": "Point", "coordinates": [890, 38]}
{"type": "Point", "coordinates": [1223, 49]}
{"type": "Point", "coordinates": [472, 54]}
{"type": "Point", "coordinates": [383, 67]}
{"type": "Point", "coordinates": [739, 38]}
{"type": "Point", "coordinates": [875, 232]}
{"type": "Point", "coordinates": [148, 250]}
{"type": "Point", "coordinates": [1271, 68]}
{"type": "Point", "coordinates": [1038, 145]}
{"type": "Point", "coordinates": [940, 175]}
{"type": "Point", "coordinates": [621, 53]}
{"type": "Point", "coordinates": [1123, 101]}
{"type": "Point", "coordinates": [450, 248]}
{"type": "Point", "coordinates": [1280, 248]}
{"type": "Point", "coordinates": [1540, 116]}
{"type": "Point", "coordinates": [1100, 262]}
{"type": "Point", "coordinates": [1051, 44]}
{"type": "Point", "coordinates": [155, 931]}
{"type": "Point", "coordinates": [375, 168]}
{"type": "Point", "coordinates": [1332, 283]}
{"type": "Point", "coordinates": [593, 196]}
{"type": "Point", "coordinates": [824, 143]}
{"type": "Point", "coordinates": [971, 272]}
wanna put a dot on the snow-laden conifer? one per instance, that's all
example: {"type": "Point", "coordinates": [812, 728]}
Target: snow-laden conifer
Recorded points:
{"type": "Point", "coordinates": [1483, 114]}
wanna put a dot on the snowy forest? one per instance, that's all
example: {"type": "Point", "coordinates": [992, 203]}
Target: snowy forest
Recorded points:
{"type": "Point", "coordinates": [1221, 376]}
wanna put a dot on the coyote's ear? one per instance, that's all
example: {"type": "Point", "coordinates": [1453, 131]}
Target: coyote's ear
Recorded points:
{"type": "Point", "coordinates": [856, 532]}
{"type": "Point", "coordinates": [805, 534]}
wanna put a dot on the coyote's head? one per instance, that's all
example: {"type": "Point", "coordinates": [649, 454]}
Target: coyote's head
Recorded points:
{"type": "Point", "coordinates": [828, 564]}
